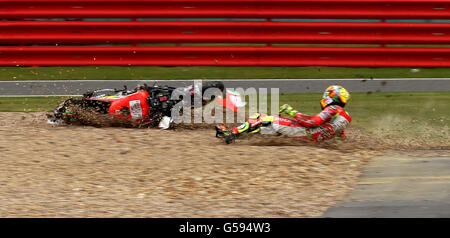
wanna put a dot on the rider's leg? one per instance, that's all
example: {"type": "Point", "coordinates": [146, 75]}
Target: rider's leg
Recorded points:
{"type": "Point", "coordinates": [290, 128]}
{"type": "Point", "coordinates": [251, 126]}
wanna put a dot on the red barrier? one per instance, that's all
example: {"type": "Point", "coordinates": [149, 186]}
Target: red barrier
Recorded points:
{"type": "Point", "coordinates": [20, 32]}
{"type": "Point", "coordinates": [323, 9]}
{"type": "Point", "coordinates": [226, 56]}
{"type": "Point", "coordinates": [224, 32]}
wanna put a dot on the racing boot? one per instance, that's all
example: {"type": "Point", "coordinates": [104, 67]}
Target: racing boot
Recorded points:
{"type": "Point", "coordinates": [221, 131]}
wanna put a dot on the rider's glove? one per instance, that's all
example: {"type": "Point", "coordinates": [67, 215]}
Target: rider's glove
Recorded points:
{"type": "Point", "coordinates": [288, 109]}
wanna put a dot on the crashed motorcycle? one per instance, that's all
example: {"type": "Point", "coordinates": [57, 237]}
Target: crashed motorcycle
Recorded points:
{"type": "Point", "coordinates": [143, 106]}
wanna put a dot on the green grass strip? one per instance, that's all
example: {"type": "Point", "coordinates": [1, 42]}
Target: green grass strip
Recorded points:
{"type": "Point", "coordinates": [211, 72]}
{"type": "Point", "coordinates": [368, 110]}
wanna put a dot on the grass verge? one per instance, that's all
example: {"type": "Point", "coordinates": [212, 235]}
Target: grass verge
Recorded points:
{"type": "Point", "coordinates": [210, 72]}
{"type": "Point", "coordinates": [29, 104]}
{"type": "Point", "coordinates": [368, 110]}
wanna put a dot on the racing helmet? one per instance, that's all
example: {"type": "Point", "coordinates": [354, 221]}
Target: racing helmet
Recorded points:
{"type": "Point", "coordinates": [334, 95]}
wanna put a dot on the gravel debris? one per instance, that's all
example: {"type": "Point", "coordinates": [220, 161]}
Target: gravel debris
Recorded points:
{"type": "Point", "coordinates": [85, 171]}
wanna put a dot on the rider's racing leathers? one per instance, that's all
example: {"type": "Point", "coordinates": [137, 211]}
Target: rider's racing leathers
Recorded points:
{"type": "Point", "coordinates": [330, 122]}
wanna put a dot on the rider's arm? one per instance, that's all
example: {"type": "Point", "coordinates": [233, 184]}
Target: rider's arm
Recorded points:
{"type": "Point", "coordinates": [343, 135]}
{"type": "Point", "coordinates": [317, 120]}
